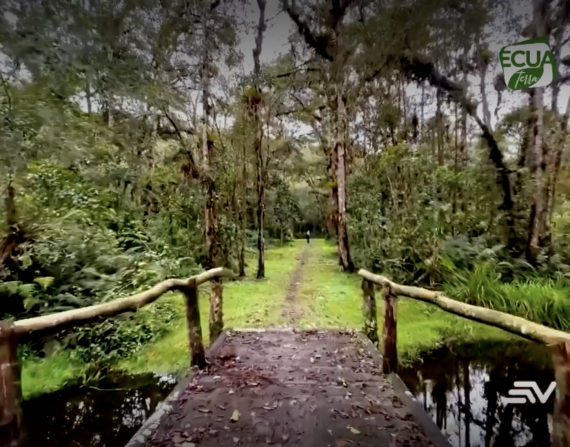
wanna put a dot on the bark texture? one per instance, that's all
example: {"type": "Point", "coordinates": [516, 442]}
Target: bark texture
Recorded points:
{"type": "Point", "coordinates": [390, 357]}
{"type": "Point", "coordinates": [539, 188]}
{"type": "Point", "coordinates": [214, 254]}
{"type": "Point", "coordinates": [258, 143]}
{"type": "Point", "coordinates": [197, 353]}
{"type": "Point", "coordinates": [10, 388]}
{"type": "Point", "coordinates": [370, 310]}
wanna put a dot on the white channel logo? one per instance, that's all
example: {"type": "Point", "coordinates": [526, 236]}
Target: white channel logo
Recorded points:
{"type": "Point", "coordinates": [525, 389]}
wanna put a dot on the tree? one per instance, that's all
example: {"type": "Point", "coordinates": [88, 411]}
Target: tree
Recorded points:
{"type": "Point", "coordinates": [331, 46]}
{"type": "Point", "coordinates": [260, 151]}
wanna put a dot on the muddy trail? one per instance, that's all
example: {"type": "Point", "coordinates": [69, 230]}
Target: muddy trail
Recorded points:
{"type": "Point", "coordinates": [291, 312]}
{"type": "Point", "coordinates": [288, 387]}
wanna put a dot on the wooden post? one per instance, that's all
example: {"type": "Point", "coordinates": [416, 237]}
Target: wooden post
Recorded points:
{"type": "Point", "coordinates": [197, 354]}
{"type": "Point", "coordinates": [370, 318]}
{"type": "Point", "coordinates": [561, 416]}
{"type": "Point", "coordinates": [390, 357]}
{"type": "Point", "coordinates": [10, 390]}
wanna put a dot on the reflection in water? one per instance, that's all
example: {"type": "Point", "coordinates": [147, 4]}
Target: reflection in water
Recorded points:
{"type": "Point", "coordinates": [104, 416]}
{"type": "Point", "coordinates": [460, 386]}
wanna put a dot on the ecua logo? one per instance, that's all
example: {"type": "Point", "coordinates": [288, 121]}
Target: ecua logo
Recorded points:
{"type": "Point", "coordinates": [528, 64]}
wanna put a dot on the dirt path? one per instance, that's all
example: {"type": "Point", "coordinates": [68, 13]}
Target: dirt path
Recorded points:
{"type": "Point", "coordinates": [288, 388]}
{"type": "Point", "coordinates": [291, 312]}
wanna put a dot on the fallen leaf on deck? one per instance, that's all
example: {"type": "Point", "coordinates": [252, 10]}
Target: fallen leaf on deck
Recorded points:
{"type": "Point", "coordinates": [204, 410]}
{"type": "Point", "coordinates": [269, 408]}
{"type": "Point", "coordinates": [353, 430]}
{"type": "Point", "coordinates": [235, 416]}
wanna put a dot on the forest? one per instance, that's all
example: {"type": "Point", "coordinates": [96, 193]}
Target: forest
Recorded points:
{"type": "Point", "coordinates": [142, 140]}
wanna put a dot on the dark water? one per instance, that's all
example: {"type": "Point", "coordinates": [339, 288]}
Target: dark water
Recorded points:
{"type": "Point", "coordinates": [88, 417]}
{"type": "Point", "coordinates": [461, 386]}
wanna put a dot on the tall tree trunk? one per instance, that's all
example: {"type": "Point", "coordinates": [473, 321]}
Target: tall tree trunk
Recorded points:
{"type": "Point", "coordinates": [555, 155]}
{"type": "Point", "coordinates": [537, 166]}
{"type": "Point", "coordinates": [11, 211]}
{"type": "Point", "coordinates": [339, 146]}
{"type": "Point", "coordinates": [439, 126]}
{"type": "Point", "coordinates": [483, 63]}
{"type": "Point", "coordinates": [464, 85]}
{"type": "Point", "coordinates": [333, 52]}
{"type": "Point", "coordinates": [243, 214]}
{"type": "Point", "coordinates": [212, 236]}
{"type": "Point", "coordinates": [258, 144]}
{"type": "Point", "coordinates": [88, 95]}
{"type": "Point", "coordinates": [11, 247]}
{"type": "Point", "coordinates": [332, 172]}
{"type": "Point", "coordinates": [422, 125]}
{"type": "Point", "coordinates": [339, 152]}
{"type": "Point", "coordinates": [554, 162]}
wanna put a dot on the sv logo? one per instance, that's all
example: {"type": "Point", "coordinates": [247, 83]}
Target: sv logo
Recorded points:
{"type": "Point", "coordinates": [526, 389]}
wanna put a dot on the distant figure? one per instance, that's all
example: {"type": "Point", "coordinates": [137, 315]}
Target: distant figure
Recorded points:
{"type": "Point", "coordinates": [308, 236]}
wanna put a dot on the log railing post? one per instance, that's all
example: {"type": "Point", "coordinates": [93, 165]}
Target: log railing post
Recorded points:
{"type": "Point", "coordinates": [370, 318]}
{"type": "Point", "coordinates": [197, 354]}
{"type": "Point", "coordinates": [561, 417]}
{"type": "Point", "coordinates": [390, 356]}
{"type": "Point", "coordinates": [10, 389]}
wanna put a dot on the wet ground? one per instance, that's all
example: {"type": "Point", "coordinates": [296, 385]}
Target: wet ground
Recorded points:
{"type": "Point", "coordinates": [461, 386]}
{"type": "Point", "coordinates": [107, 415]}
{"type": "Point", "coordinates": [284, 388]}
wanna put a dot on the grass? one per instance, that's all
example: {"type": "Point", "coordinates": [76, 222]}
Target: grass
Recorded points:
{"type": "Point", "coordinates": [332, 300]}
{"type": "Point", "coordinates": [325, 299]}
{"type": "Point", "coordinates": [50, 374]}
{"type": "Point", "coordinates": [248, 303]}
{"type": "Point", "coordinates": [543, 301]}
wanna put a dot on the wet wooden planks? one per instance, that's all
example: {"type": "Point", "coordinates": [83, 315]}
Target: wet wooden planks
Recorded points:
{"type": "Point", "coordinates": [288, 388]}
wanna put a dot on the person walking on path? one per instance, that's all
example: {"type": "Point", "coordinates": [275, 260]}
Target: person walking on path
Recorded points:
{"type": "Point", "coordinates": [308, 236]}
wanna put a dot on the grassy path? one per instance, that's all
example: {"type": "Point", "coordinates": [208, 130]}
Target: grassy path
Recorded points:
{"type": "Point", "coordinates": [329, 299]}
{"type": "Point", "coordinates": [303, 288]}
{"type": "Point", "coordinates": [290, 311]}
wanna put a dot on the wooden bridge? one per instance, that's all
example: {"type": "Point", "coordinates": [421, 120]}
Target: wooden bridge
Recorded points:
{"type": "Point", "coordinates": [283, 386]}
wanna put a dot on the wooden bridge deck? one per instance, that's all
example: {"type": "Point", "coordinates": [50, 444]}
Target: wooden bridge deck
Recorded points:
{"type": "Point", "coordinates": [286, 388]}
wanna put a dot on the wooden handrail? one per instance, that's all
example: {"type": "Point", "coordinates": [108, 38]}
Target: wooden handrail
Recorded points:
{"type": "Point", "coordinates": [76, 317]}
{"type": "Point", "coordinates": [515, 325]}
{"type": "Point", "coordinates": [12, 332]}
{"type": "Point", "coordinates": [559, 340]}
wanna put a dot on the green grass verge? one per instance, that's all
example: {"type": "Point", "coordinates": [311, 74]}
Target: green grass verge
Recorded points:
{"type": "Point", "coordinates": [332, 300]}
{"type": "Point", "coordinates": [543, 301]}
{"type": "Point", "coordinates": [325, 299]}
{"type": "Point", "coordinates": [247, 303]}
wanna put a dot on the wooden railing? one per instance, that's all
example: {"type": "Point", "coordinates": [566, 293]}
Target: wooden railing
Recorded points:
{"type": "Point", "coordinates": [558, 340]}
{"type": "Point", "coordinates": [14, 332]}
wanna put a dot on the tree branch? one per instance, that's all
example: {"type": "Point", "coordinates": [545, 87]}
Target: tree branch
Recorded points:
{"type": "Point", "coordinates": [316, 43]}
